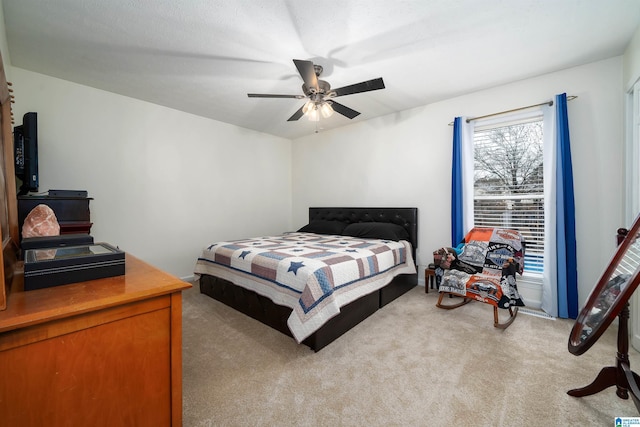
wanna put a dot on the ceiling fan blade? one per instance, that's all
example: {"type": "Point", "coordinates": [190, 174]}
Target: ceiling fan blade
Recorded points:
{"type": "Point", "coordinates": [308, 73]}
{"type": "Point", "coordinates": [269, 95]}
{"type": "Point", "coordinates": [367, 86]}
{"type": "Point", "coordinates": [296, 115]}
{"type": "Point", "coordinates": [345, 111]}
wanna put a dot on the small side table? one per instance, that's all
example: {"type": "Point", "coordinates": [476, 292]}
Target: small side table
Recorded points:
{"type": "Point", "coordinates": [429, 277]}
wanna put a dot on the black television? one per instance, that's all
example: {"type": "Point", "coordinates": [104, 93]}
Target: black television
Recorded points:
{"type": "Point", "coordinates": [25, 140]}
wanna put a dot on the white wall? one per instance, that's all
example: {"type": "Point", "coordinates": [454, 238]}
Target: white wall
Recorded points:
{"type": "Point", "coordinates": [631, 64]}
{"type": "Point", "coordinates": [165, 183]}
{"type": "Point", "coordinates": [4, 48]}
{"type": "Point", "coordinates": [405, 160]}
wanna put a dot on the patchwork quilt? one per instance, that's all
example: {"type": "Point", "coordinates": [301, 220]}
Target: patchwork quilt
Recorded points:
{"type": "Point", "coordinates": [313, 274]}
{"type": "Point", "coordinates": [486, 268]}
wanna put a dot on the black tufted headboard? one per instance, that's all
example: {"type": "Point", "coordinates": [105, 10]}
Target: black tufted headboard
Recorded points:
{"type": "Point", "coordinates": [406, 217]}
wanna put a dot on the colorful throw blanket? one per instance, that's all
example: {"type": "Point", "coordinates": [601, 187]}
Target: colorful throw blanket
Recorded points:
{"type": "Point", "coordinates": [486, 268]}
{"type": "Point", "coordinates": [313, 274]}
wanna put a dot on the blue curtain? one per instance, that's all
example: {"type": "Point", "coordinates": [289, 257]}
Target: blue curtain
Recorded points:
{"type": "Point", "coordinates": [461, 180]}
{"type": "Point", "coordinates": [567, 272]}
{"type": "Point", "coordinates": [457, 224]}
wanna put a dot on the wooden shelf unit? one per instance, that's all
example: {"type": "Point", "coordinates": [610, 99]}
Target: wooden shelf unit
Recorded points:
{"type": "Point", "coordinates": [73, 213]}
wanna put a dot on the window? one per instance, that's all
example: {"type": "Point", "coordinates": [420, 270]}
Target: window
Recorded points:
{"type": "Point", "coordinates": [508, 183]}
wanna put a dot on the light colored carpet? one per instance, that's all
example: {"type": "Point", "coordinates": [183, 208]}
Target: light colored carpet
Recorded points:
{"type": "Point", "coordinates": [409, 364]}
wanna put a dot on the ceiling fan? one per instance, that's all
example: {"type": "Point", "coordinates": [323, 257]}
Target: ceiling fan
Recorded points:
{"type": "Point", "coordinates": [320, 95]}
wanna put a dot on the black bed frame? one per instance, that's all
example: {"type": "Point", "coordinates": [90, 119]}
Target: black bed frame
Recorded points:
{"type": "Point", "coordinates": [266, 311]}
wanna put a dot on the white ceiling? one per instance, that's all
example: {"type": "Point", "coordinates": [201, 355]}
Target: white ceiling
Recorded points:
{"type": "Point", "coordinates": [204, 56]}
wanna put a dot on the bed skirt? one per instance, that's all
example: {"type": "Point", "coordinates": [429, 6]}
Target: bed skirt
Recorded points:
{"type": "Point", "coordinates": [266, 311]}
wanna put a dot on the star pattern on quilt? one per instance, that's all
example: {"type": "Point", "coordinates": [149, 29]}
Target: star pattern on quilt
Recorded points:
{"type": "Point", "coordinates": [244, 254]}
{"type": "Point", "coordinates": [295, 265]}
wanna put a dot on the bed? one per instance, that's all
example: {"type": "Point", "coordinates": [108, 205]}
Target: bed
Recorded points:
{"type": "Point", "coordinates": [300, 283]}
{"type": "Point", "coordinates": [483, 269]}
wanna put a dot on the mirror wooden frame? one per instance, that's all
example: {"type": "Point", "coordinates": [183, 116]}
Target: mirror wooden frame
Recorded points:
{"type": "Point", "coordinates": [602, 307]}
{"type": "Point", "coordinates": [603, 304]}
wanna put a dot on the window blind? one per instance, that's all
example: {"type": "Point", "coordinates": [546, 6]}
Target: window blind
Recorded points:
{"type": "Point", "coordinates": [508, 183]}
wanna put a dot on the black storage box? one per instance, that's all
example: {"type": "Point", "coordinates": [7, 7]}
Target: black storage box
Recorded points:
{"type": "Point", "coordinates": [46, 267]}
{"type": "Point", "coordinates": [56, 241]}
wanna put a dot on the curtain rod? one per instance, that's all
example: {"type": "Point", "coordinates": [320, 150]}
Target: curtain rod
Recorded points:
{"type": "Point", "coordinates": [549, 103]}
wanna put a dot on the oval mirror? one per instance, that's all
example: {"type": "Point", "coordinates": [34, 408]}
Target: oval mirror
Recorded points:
{"type": "Point", "coordinates": [610, 295]}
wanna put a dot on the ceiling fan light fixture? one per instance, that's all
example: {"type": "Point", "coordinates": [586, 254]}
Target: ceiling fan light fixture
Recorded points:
{"type": "Point", "coordinates": [307, 107]}
{"type": "Point", "coordinates": [326, 110]}
{"type": "Point", "coordinates": [313, 114]}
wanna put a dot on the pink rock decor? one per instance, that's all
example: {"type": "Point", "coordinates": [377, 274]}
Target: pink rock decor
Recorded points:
{"type": "Point", "coordinates": [41, 221]}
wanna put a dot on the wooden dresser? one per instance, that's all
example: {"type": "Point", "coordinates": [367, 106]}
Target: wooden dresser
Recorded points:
{"type": "Point", "coordinates": [103, 352]}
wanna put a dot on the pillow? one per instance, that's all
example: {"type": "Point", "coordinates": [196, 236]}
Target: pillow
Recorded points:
{"type": "Point", "coordinates": [322, 226]}
{"type": "Point", "coordinates": [376, 230]}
